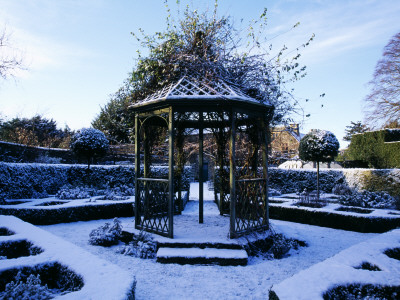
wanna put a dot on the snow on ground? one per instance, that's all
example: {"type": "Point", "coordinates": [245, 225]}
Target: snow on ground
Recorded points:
{"type": "Point", "coordinates": [344, 269]}
{"type": "Point", "coordinates": [115, 282]}
{"type": "Point", "coordinates": [172, 281]}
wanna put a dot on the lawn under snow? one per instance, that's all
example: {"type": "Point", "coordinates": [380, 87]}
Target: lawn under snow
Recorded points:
{"type": "Point", "coordinates": [171, 281]}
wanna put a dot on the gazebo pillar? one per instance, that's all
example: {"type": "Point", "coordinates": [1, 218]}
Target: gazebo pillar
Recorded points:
{"type": "Point", "coordinates": [232, 179]}
{"type": "Point", "coordinates": [201, 186]}
{"type": "Point", "coordinates": [137, 170]}
{"type": "Point", "coordinates": [171, 135]}
{"type": "Point", "coordinates": [264, 150]}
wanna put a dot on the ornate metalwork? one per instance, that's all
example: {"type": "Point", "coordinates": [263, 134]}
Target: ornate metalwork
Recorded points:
{"type": "Point", "coordinates": [153, 205]}
{"type": "Point", "coordinates": [250, 205]}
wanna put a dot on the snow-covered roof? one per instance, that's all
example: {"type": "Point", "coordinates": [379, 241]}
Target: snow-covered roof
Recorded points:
{"type": "Point", "coordinates": [189, 87]}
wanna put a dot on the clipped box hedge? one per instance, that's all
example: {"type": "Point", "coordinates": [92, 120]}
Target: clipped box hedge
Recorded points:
{"type": "Point", "coordinates": [297, 180]}
{"type": "Point", "coordinates": [334, 220]}
{"type": "Point", "coordinates": [48, 216]}
{"type": "Point", "coordinates": [26, 181]}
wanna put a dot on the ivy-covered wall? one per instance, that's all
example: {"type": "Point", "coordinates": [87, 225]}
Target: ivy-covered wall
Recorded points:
{"type": "Point", "coordinates": [379, 149]}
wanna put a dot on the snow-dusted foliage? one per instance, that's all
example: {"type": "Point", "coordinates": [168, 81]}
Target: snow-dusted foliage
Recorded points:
{"type": "Point", "coordinates": [142, 245]}
{"type": "Point", "coordinates": [369, 200]}
{"type": "Point", "coordinates": [23, 181]}
{"type": "Point", "coordinates": [275, 246]}
{"type": "Point", "coordinates": [31, 289]}
{"type": "Point", "coordinates": [117, 193]}
{"type": "Point", "coordinates": [106, 235]}
{"type": "Point", "coordinates": [362, 291]}
{"type": "Point", "coordinates": [70, 192]}
{"type": "Point", "coordinates": [89, 143]}
{"type": "Point", "coordinates": [318, 145]}
{"type": "Point", "coordinates": [298, 180]}
{"type": "Point", "coordinates": [342, 189]}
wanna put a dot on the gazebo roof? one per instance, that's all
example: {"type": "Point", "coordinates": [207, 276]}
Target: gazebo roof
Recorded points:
{"type": "Point", "coordinates": [189, 88]}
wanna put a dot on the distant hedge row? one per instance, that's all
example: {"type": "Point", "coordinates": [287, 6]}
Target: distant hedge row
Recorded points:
{"type": "Point", "coordinates": [379, 149]}
{"type": "Point", "coordinates": [297, 180]}
{"type": "Point", "coordinates": [24, 181]}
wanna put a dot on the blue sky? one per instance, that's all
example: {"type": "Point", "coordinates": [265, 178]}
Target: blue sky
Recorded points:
{"type": "Point", "coordinates": [79, 52]}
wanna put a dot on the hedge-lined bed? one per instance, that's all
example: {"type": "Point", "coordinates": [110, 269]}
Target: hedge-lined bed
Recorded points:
{"type": "Point", "coordinates": [363, 271]}
{"type": "Point", "coordinates": [65, 268]}
{"type": "Point", "coordinates": [37, 213]}
{"type": "Point", "coordinates": [334, 215]}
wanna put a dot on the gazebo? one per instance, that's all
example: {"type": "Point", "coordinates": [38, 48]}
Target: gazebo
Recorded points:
{"type": "Point", "coordinates": [200, 103]}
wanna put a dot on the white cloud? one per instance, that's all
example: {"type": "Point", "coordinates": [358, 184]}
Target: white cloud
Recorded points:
{"type": "Point", "coordinates": [339, 26]}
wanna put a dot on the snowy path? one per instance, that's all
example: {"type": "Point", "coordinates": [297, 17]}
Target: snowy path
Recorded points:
{"type": "Point", "coordinates": [158, 281]}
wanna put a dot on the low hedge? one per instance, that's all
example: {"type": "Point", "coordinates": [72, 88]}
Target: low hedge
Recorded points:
{"type": "Point", "coordinates": [333, 220]}
{"type": "Point", "coordinates": [48, 216]}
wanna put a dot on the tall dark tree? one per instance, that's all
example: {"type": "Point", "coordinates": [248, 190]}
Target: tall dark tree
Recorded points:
{"type": "Point", "coordinates": [207, 46]}
{"type": "Point", "coordinates": [354, 128]}
{"type": "Point", "coordinates": [115, 120]}
{"type": "Point", "coordinates": [383, 103]}
{"type": "Point", "coordinates": [35, 131]}
{"type": "Point", "coordinates": [319, 146]}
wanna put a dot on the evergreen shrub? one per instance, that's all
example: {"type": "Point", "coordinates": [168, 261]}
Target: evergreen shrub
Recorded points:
{"type": "Point", "coordinates": [106, 235]}
{"type": "Point", "coordinates": [380, 149]}
{"type": "Point", "coordinates": [141, 245]}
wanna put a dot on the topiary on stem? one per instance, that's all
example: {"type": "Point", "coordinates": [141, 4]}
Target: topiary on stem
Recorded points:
{"type": "Point", "coordinates": [319, 146]}
{"type": "Point", "coordinates": [89, 143]}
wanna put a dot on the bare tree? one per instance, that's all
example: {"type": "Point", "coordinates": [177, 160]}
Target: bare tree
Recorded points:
{"type": "Point", "coordinates": [382, 105]}
{"type": "Point", "coordinates": [11, 58]}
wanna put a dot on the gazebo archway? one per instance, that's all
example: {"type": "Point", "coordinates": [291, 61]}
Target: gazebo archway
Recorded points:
{"type": "Point", "coordinates": [200, 103]}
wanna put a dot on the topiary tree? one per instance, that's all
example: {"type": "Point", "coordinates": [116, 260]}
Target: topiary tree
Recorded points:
{"type": "Point", "coordinates": [89, 143]}
{"type": "Point", "coordinates": [319, 146]}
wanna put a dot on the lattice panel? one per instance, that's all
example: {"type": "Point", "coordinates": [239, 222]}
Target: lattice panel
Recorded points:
{"type": "Point", "coordinates": [188, 87]}
{"type": "Point", "coordinates": [154, 198]}
{"type": "Point", "coordinates": [250, 205]}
